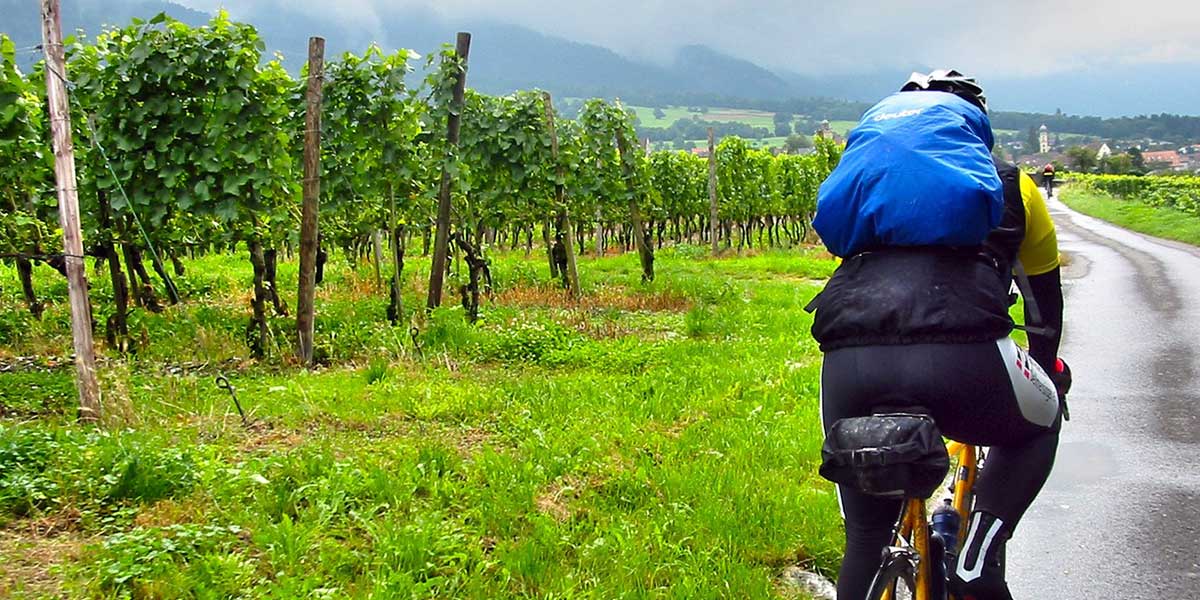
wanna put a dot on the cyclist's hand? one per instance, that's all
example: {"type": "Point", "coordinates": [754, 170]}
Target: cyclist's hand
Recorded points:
{"type": "Point", "coordinates": [1062, 384]}
{"type": "Point", "coordinates": [1061, 377]}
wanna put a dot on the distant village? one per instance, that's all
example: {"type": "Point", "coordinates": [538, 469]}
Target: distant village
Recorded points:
{"type": "Point", "coordinates": [1037, 148]}
{"type": "Point", "coordinates": [1078, 153]}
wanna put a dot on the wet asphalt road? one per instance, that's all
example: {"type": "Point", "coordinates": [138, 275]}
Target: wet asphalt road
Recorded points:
{"type": "Point", "coordinates": [1120, 515]}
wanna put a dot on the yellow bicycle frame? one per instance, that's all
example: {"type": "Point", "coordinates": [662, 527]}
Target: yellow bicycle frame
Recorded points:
{"type": "Point", "coordinates": [967, 459]}
{"type": "Point", "coordinates": [915, 524]}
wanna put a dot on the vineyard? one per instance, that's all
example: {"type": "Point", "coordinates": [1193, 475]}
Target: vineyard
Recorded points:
{"type": "Point", "coordinates": [1161, 206]}
{"type": "Point", "coordinates": [1179, 192]}
{"type": "Point", "coordinates": [188, 142]}
{"type": "Point", "coordinates": [603, 410]}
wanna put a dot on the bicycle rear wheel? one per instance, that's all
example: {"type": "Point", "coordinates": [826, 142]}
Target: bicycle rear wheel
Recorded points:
{"type": "Point", "coordinates": [895, 580]}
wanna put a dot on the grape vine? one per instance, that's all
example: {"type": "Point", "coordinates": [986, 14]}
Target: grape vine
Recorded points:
{"type": "Point", "coordinates": [189, 142]}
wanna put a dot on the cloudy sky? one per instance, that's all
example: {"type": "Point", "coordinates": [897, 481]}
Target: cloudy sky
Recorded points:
{"type": "Point", "coordinates": [1008, 39]}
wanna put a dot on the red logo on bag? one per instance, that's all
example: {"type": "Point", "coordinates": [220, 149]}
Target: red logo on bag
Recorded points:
{"type": "Point", "coordinates": [1022, 368]}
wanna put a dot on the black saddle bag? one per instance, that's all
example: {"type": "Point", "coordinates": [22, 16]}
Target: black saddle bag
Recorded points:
{"type": "Point", "coordinates": [892, 455]}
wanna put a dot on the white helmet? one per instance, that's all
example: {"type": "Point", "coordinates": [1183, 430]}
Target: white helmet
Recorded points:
{"type": "Point", "coordinates": [948, 80]}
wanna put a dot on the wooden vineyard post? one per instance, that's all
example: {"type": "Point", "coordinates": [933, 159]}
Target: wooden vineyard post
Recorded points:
{"type": "Point", "coordinates": [377, 257]}
{"type": "Point", "coordinates": [547, 239]}
{"type": "Point", "coordinates": [398, 236]}
{"type": "Point", "coordinates": [645, 251]}
{"type": "Point", "coordinates": [712, 192]}
{"type": "Point", "coordinates": [442, 239]}
{"type": "Point", "coordinates": [311, 201]}
{"type": "Point", "coordinates": [68, 212]}
{"type": "Point", "coordinates": [599, 234]}
{"type": "Point", "coordinates": [564, 218]}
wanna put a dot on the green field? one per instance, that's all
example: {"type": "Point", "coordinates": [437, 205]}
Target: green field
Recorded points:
{"type": "Point", "coordinates": [842, 127]}
{"type": "Point", "coordinates": [754, 118]}
{"type": "Point", "coordinates": [1158, 221]}
{"type": "Point", "coordinates": [647, 441]}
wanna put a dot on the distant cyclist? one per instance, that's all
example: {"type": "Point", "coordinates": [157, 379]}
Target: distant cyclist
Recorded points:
{"type": "Point", "coordinates": [928, 326]}
{"type": "Point", "coordinates": [1048, 179]}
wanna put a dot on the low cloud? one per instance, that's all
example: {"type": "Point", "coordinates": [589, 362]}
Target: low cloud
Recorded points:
{"type": "Point", "coordinates": [1010, 39]}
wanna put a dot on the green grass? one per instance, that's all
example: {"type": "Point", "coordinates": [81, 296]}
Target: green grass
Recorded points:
{"type": "Point", "coordinates": [764, 143]}
{"type": "Point", "coordinates": [671, 114]}
{"type": "Point", "coordinates": [754, 118]}
{"type": "Point", "coordinates": [652, 441]}
{"type": "Point", "coordinates": [768, 142]}
{"type": "Point", "coordinates": [1163, 222]}
{"type": "Point", "coordinates": [842, 127]}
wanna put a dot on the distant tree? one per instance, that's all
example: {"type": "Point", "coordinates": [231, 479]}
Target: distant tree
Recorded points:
{"type": "Point", "coordinates": [1031, 140]}
{"type": "Point", "coordinates": [783, 123]}
{"type": "Point", "coordinates": [805, 126]}
{"type": "Point", "coordinates": [659, 114]}
{"type": "Point", "coordinates": [1117, 164]}
{"type": "Point", "coordinates": [1082, 158]}
{"type": "Point", "coordinates": [1135, 154]}
{"type": "Point", "coordinates": [795, 143]}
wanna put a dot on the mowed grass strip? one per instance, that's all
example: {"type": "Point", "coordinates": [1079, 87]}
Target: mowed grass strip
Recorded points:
{"type": "Point", "coordinates": [650, 441]}
{"type": "Point", "coordinates": [1159, 221]}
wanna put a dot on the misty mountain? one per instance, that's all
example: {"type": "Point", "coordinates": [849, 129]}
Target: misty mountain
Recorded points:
{"type": "Point", "coordinates": [856, 87]}
{"type": "Point", "coordinates": [503, 58]}
{"type": "Point", "coordinates": [508, 57]}
{"type": "Point", "coordinates": [1107, 91]}
{"type": "Point", "coordinates": [705, 70]}
{"type": "Point", "coordinates": [23, 18]}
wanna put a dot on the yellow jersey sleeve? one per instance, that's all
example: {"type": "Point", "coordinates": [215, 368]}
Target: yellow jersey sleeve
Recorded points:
{"type": "Point", "coordinates": [1039, 250]}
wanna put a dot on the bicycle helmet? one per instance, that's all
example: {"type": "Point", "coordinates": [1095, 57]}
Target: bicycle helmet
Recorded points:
{"type": "Point", "coordinates": [1048, 169]}
{"type": "Point", "coordinates": [948, 80]}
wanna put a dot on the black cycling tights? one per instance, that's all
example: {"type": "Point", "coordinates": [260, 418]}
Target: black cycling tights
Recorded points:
{"type": "Point", "coordinates": [969, 391]}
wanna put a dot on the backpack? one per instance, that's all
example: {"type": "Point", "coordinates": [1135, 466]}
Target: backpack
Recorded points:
{"type": "Point", "coordinates": [917, 171]}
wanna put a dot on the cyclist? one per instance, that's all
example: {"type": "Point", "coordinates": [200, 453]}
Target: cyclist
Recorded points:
{"type": "Point", "coordinates": [929, 327]}
{"type": "Point", "coordinates": [1048, 179]}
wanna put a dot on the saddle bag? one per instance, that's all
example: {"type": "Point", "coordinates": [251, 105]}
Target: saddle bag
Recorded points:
{"type": "Point", "coordinates": [896, 455]}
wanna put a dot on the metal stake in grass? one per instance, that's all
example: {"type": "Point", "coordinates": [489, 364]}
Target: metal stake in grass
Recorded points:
{"type": "Point", "coordinates": [413, 333]}
{"type": "Point", "coordinates": [224, 384]}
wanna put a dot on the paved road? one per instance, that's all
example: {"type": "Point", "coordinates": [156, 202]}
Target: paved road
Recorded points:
{"type": "Point", "coordinates": [1120, 516]}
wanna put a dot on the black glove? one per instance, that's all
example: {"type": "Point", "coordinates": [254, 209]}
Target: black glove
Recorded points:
{"type": "Point", "coordinates": [1061, 377]}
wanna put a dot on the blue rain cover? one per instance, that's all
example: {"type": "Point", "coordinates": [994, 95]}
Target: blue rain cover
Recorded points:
{"type": "Point", "coordinates": [917, 171]}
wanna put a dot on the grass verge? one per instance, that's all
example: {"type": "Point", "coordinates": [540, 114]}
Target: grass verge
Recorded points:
{"type": "Point", "coordinates": [654, 440]}
{"type": "Point", "coordinates": [1163, 222]}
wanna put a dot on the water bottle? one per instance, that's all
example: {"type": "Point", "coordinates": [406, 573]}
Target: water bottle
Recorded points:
{"type": "Point", "coordinates": [945, 523]}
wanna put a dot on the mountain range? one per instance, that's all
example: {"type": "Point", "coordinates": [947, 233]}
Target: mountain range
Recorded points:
{"type": "Point", "coordinates": [505, 57]}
